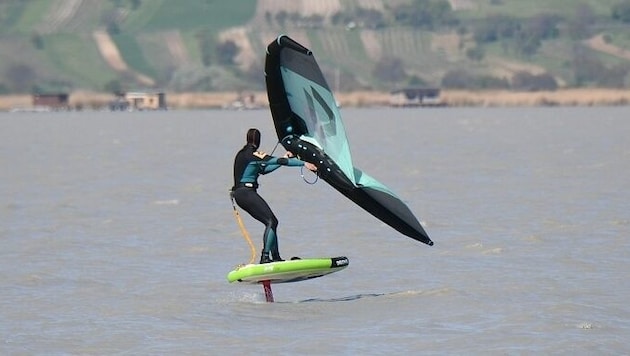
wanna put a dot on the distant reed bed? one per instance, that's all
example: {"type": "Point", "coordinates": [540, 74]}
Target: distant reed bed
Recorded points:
{"type": "Point", "coordinates": [455, 98]}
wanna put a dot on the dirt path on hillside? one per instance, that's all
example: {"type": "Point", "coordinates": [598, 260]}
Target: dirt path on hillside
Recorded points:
{"type": "Point", "coordinates": [112, 56]}
{"type": "Point", "coordinates": [598, 43]}
{"type": "Point", "coordinates": [176, 47]}
{"type": "Point", "coordinates": [505, 68]}
{"type": "Point", "coordinates": [372, 44]}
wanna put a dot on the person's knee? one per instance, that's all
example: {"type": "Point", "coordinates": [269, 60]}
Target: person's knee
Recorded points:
{"type": "Point", "coordinates": [273, 222]}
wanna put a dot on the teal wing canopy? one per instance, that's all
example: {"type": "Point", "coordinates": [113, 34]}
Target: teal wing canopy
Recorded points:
{"type": "Point", "coordinates": [308, 123]}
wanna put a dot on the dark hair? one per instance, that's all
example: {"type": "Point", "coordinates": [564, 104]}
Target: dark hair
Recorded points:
{"type": "Point", "coordinates": [253, 137]}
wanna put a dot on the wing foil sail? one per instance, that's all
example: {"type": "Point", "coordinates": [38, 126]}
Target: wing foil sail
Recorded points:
{"type": "Point", "coordinates": [308, 123]}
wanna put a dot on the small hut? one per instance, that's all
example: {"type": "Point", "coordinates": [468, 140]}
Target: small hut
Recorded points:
{"type": "Point", "coordinates": [55, 101]}
{"type": "Point", "coordinates": [146, 100]}
{"type": "Point", "coordinates": [415, 97]}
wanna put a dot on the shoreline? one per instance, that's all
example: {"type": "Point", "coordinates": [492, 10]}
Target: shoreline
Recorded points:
{"type": "Point", "coordinates": [449, 98]}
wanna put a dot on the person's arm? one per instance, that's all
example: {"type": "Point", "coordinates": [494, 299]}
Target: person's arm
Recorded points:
{"type": "Point", "coordinates": [289, 161]}
{"type": "Point", "coordinates": [310, 166]}
{"type": "Point", "coordinates": [270, 163]}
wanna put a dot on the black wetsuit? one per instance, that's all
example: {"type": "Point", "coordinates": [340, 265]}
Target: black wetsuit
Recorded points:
{"type": "Point", "coordinates": [248, 165]}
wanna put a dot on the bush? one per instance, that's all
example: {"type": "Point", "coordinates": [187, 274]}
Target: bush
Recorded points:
{"type": "Point", "coordinates": [37, 40]}
{"type": "Point", "coordinates": [475, 54]}
{"type": "Point", "coordinates": [461, 79]}
{"type": "Point", "coordinates": [20, 77]}
{"type": "Point", "coordinates": [530, 82]}
{"type": "Point", "coordinates": [621, 11]}
{"type": "Point", "coordinates": [390, 69]}
{"type": "Point", "coordinates": [4, 89]}
{"type": "Point", "coordinates": [226, 52]}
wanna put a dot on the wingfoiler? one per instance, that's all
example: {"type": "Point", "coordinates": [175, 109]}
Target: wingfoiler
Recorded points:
{"type": "Point", "coordinates": [308, 123]}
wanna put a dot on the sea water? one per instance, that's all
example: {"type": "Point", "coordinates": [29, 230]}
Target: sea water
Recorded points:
{"type": "Point", "coordinates": [117, 233]}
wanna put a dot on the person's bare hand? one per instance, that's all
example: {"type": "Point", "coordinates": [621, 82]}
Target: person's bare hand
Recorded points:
{"type": "Point", "coordinates": [310, 166]}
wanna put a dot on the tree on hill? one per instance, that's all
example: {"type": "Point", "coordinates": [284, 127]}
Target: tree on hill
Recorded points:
{"type": "Point", "coordinates": [524, 80]}
{"type": "Point", "coordinates": [226, 52]}
{"type": "Point", "coordinates": [543, 26]}
{"type": "Point", "coordinates": [114, 86]}
{"type": "Point", "coordinates": [281, 18]}
{"type": "Point", "coordinates": [20, 77]}
{"type": "Point", "coordinates": [526, 44]}
{"type": "Point", "coordinates": [390, 69]}
{"type": "Point", "coordinates": [425, 14]}
{"type": "Point", "coordinates": [523, 36]}
{"type": "Point", "coordinates": [37, 40]}
{"type": "Point", "coordinates": [495, 28]}
{"type": "Point", "coordinates": [621, 11]}
{"type": "Point", "coordinates": [370, 18]}
{"type": "Point", "coordinates": [475, 53]}
{"type": "Point", "coordinates": [462, 79]}
{"type": "Point", "coordinates": [416, 81]}
{"type": "Point", "coordinates": [4, 90]}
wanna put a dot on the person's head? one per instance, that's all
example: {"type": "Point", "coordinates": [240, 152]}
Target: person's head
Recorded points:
{"type": "Point", "coordinates": [253, 137]}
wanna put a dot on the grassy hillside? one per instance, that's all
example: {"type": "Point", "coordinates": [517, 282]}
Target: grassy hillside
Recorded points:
{"type": "Point", "coordinates": [185, 45]}
{"type": "Point", "coordinates": [523, 9]}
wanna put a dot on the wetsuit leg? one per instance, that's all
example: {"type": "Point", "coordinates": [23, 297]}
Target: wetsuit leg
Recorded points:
{"type": "Point", "coordinates": [257, 207]}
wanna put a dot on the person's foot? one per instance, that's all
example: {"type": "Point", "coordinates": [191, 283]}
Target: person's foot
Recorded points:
{"type": "Point", "coordinates": [276, 258]}
{"type": "Point", "coordinates": [264, 258]}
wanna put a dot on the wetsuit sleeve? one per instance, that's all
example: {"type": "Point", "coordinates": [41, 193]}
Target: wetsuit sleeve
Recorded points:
{"type": "Point", "coordinates": [292, 162]}
{"type": "Point", "coordinates": [272, 163]}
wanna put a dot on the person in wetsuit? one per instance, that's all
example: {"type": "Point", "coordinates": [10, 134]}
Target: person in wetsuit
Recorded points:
{"type": "Point", "coordinates": [249, 164]}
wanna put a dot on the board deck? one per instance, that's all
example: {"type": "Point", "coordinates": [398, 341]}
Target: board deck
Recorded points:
{"type": "Point", "coordinates": [288, 271]}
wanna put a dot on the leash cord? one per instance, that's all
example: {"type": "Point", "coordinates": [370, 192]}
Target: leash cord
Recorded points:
{"type": "Point", "coordinates": [241, 225]}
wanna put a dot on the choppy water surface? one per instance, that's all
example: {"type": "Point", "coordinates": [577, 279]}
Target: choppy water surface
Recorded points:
{"type": "Point", "coordinates": [117, 233]}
